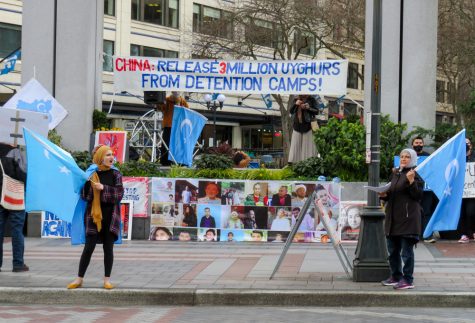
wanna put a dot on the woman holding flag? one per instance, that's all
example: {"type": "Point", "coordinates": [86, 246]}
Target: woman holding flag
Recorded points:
{"type": "Point", "coordinates": [403, 220]}
{"type": "Point", "coordinates": [103, 193]}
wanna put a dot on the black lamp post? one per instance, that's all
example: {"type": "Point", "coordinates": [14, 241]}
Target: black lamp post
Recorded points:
{"type": "Point", "coordinates": [213, 105]}
{"type": "Point", "coordinates": [370, 263]}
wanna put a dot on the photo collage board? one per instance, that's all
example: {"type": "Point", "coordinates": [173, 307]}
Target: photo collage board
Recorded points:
{"type": "Point", "coordinates": [238, 210]}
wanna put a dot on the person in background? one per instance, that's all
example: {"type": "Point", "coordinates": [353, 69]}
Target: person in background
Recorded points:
{"type": "Point", "coordinates": [467, 211]}
{"type": "Point", "coordinates": [302, 145]}
{"type": "Point", "coordinates": [13, 165]}
{"type": "Point", "coordinates": [429, 200]}
{"type": "Point", "coordinates": [403, 220]}
{"type": "Point", "coordinates": [103, 193]}
{"type": "Point", "coordinates": [230, 237]}
{"type": "Point", "coordinates": [167, 109]}
{"type": "Point", "coordinates": [208, 220]}
{"type": "Point", "coordinates": [189, 216]}
{"type": "Point", "coordinates": [241, 159]}
{"type": "Point", "coordinates": [281, 222]}
{"type": "Point", "coordinates": [210, 235]}
{"type": "Point", "coordinates": [186, 195]}
{"type": "Point", "coordinates": [211, 194]}
{"type": "Point", "coordinates": [257, 236]}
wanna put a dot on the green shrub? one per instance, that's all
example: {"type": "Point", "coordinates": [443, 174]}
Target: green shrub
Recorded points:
{"type": "Point", "coordinates": [141, 169]}
{"type": "Point", "coordinates": [309, 168]}
{"type": "Point", "coordinates": [82, 158]}
{"type": "Point", "coordinates": [213, 161]}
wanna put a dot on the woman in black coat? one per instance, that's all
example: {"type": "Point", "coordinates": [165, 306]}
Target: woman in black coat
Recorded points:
{"type": "Point", "coordinates": [403, 220]}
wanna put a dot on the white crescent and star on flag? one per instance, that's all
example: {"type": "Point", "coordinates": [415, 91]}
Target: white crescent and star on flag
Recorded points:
{"type": "Point", "coordinates": [186, 123]}
{"type": "Point", "coordinates": [451, 171]}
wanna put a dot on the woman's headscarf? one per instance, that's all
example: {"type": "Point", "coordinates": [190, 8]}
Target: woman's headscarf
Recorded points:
{"type": "Point", "coordinates": [413, 154]}
{"type": "Point", "coordinates": [96, 210]}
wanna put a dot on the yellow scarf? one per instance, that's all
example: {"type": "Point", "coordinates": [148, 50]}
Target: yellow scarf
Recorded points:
{"type": "Point", "coordinates": [96, 210]}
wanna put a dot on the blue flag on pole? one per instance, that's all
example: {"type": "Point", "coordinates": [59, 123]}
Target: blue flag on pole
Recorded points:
{"type": "Point", "coordinates": [267, 98]}
{"type": "Point", "coordinates": [186, 129]}
{"type": "Point", "coordinates": [9, 63]}
{"type": "Point", "coordinates": [54, 182]}
{"type": "Point", "coordinates": [444, 173]}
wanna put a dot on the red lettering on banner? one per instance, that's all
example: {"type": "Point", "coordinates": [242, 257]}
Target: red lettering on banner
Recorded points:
{"type": "Point", "coordinates": [131, 64]}
{"type": "Point", "coordinates": [222, 68]}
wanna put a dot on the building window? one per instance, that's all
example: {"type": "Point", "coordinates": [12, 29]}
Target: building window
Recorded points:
{"type": "Point", "coordinates": [159, 12]}
{"type": "Point", "coordinates": [212, 21]}
{"type": "Point", "coordinates": [107, 63]}
{"type": "Point", "coordinates": [451, 93]}
{"type": "Point", "coordinates": [333, 107]}
{"type": "Point", "coordinates": [262, 32]}
{"type": "Point", "coordinates": [305, 41]}
{"type": "Point", "coordinates": [109, 7]}
{"type": "Point", "coordinates": [10, 38]}
{"type": "Point", "coordinates": [349, 109]}
{"type": "Point", "coordinates": [139, 50]}
{"type": "Point", "coordinates": [352, 81]}
{"type": "Point", "coordinates": [362, 77]}
{"type": "Point", "coordinates": [440, 91]}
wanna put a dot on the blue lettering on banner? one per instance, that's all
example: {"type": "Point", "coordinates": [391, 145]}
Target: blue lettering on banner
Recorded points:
{"type": "Point", "coordinates": [54, 227]}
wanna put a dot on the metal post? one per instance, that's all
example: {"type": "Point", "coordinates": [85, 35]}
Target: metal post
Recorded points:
{"type": "Point", "coordinates": [214, 123]}
{"type": "Point", "coordinates": [370, 263]}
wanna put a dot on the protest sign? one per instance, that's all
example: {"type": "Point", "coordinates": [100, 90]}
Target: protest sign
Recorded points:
{"type": "Point", "coordinates": [54, 227]}
{"type": "Point", "coordinates": [138, 74]}
{"type": "Point", "coordinates": [136, 190]}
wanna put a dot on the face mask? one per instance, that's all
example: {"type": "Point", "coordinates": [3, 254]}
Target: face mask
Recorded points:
{"type": "Point", "coordinates": [418, 148]}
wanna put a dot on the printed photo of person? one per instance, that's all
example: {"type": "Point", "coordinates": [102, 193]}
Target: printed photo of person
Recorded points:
{"type": "Point", "coordinates": [209, 216]}
{"type": "Point", "coordinates": [279, 193]}
{"type": "Point", "coordinates": [188, 216]}
{"type": "Point", "coordinates": [256, 194]}
{"type": "Point", "coordinates": [185, 234]}
{"type": "Point", "coordinates": [350, 220]}
{"type": "Point", "coordinates": [209, 192]}
{"type": "Point", "coordinates": [186, 191]}
{"type": "Point", "coordinates": [255, 235]}
{"type": "Point", "coordinates": [162, 189]}
{"type": "Point", "coordinates": [163, 214]}
{"type": "Point", "coordinates": [255, 217]}
{"type": "Point", "coordinates": [158, 233]}
{"type": "Point", "coordinates": [308, 222]}
{"type": "Point", "coordinates": [232, 193]}
{"type": "Point", "coordinates": [277, 236]}
{"type": "Point", "coordinates": [208, 235]}
{"type": "Point", "coordinates": [282, 220]}
{"type": "Point", "coordinates": [233, 221]}
{"type": "Point", "coordinates": [300, 193]}
{"type": "Point", "coordinates": [231, 235]}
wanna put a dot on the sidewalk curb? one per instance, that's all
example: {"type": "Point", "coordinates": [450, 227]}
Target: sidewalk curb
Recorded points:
{"type": "Point", "coordinates": [237, 297]}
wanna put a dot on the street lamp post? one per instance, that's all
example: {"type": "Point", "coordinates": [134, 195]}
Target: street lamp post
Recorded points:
{"type": "Point", "coordinates": [213, 105]}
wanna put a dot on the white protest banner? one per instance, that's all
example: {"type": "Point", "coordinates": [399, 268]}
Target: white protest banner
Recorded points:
{"type": "Point", "coordinates": [34, 97]}
{"type": "Point", "coordinates": [469, 185]}
{"type": "Point", "coordinates": [12, 122]}
{"type": "Point", "coordinates": [54, 227]}
{"type": "Point", "coordinates": [136, 190]}
{"type": "Point", "coordinates": [138, 74]}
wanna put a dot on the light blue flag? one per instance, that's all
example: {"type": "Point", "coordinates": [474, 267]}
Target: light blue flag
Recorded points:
{"type": "Point", "coordinates": [267, 98]}
{"type": "Point", "coordinates": [54, 180]}
{"type": "Point", "coordinates": [8, 64]}
{"type": "Point", "coordinates": [444, 173]}
{"type": "Point", "coordinates": [186, 129]}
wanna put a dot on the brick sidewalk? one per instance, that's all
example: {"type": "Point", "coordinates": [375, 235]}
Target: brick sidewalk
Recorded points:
{"type": "Point", "coordinates": [440, 267]}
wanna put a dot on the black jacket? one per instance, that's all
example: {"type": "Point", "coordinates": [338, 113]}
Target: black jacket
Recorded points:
{"type": "Point", "coordinates": [403, 208]}
{"type": "Point", "coordinates": [307, 115]}
{"type": "Point", "coordinates": [276, 200]}
{"type": "Point", "coordinates": [12, 163]}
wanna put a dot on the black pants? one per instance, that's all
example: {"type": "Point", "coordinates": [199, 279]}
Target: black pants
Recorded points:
{"type": "Point", "coordinates": [163, 150]}
{"type": "Point", "coordinates": [107, 244]}
{"type": "Point", "coordinates": [429, 203]}
{"type": "Point", "coordinates": [401, 249]}
{"type": "Point", "coordinates": [466, 217]}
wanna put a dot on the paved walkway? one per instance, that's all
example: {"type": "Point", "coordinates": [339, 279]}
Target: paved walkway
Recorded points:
{"type": "Point", "coordinates": [180, 270]}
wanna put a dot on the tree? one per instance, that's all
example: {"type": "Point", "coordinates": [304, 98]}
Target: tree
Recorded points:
{"type": "Point", "coordinates": [455, 54]}
{"type": "Point", "coordinates": [282, 29]}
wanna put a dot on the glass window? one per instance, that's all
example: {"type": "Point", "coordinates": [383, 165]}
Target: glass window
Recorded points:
{"type": "Point", "coordinates": [10, 38]}
{"type": "Point", "coordinates": [109, 7]}
{"type": "Point", "coordinates": [159, 12]}
{"type": "Point", "coordinates": [451, 92]}
{"type": "Point", "coordinates": [305, 41]}
{"type": "Point", "coordinates": [108, 53]}
{"type": "Point", "coordinates": [211, 21]}
{"type": "Point", "coordinates": [349, 109]}
{"type": "Point", "coordinates": [139, 50]}
{"type": "Point", "coordinates": [362, 77]}
{"type": "Point", "coordinates": [352, 81]}
{"type": "Point", "coordinates": [440, 91]}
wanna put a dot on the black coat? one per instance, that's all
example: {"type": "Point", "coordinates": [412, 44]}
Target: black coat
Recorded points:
{"type": "Point", "coordinates": [276, 200]}
{"type": "Point", "coordinates": [307, 115]}
{"type": "Point", "coordinates": [403, 208]}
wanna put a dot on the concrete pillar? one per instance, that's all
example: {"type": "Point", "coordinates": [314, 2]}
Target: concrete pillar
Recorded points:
{"type": "Point", "coordinates": [65, 51]}
{"type": "Point", "coordinates": [417, 75]}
